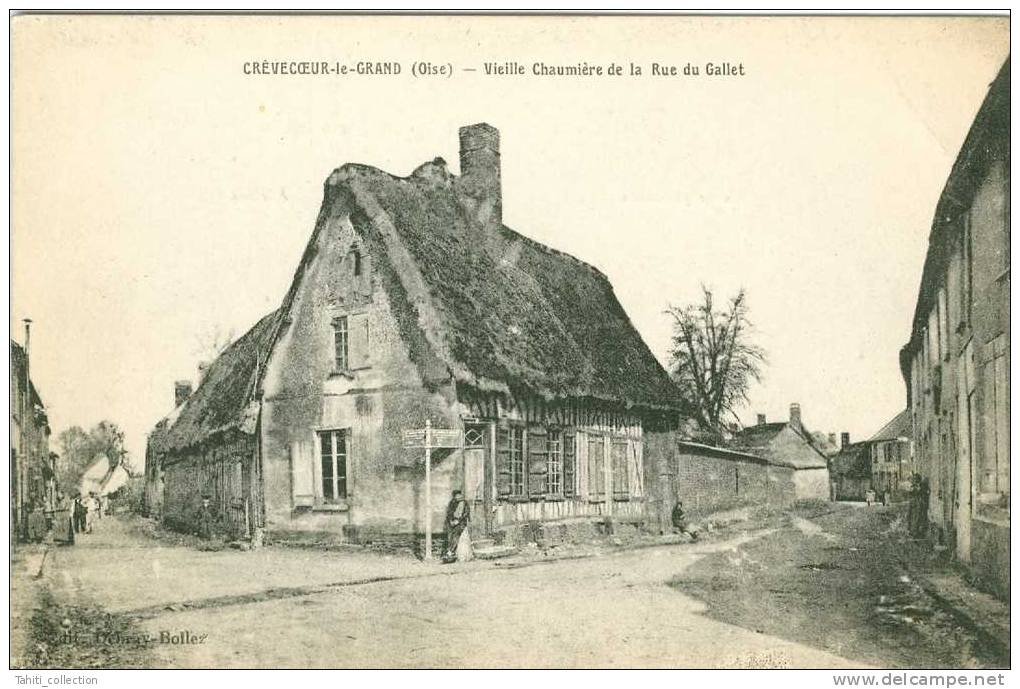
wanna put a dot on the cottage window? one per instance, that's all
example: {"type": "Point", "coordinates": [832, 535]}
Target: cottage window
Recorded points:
{"type": "Point", "coordinates": [554, 463]}
{"type": "Point", "coordinates": [596, 468]}
{"type": "Point", "coordinates": [333, 454]}
{"type": "Point", "coordinates": [510, 454]}
{"type": "Point", "coordinates": [341, 339]}
{"type": "Point", "coordinates": [356, 260]}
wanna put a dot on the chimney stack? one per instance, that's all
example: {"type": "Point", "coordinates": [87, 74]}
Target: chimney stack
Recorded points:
{"type": "Point", "coordinates": [182, 391]}
{"type": "Point", "coordinates": [480, 173]}
{"type": "Point", "coordinates": [844, 439]}
{"type": "Point", "coordinates": [795, 416]}
{"type": "Point", "coordinates": [761, 419]}
{"type": "Point", "coordinates": [28, 334]}
{"type": "Point", "coordinates": [832, 439]}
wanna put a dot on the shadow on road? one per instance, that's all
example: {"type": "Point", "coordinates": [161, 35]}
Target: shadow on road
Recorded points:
{"type": "Point", "coordinates": [836, 582]}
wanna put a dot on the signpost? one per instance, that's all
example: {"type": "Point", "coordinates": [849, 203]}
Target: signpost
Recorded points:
{"type": "Point", "coordinates": [429, 438]}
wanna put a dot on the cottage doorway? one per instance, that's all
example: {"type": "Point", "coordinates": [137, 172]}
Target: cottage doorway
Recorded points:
{"type": "Point", "coordinates": [475, 454]}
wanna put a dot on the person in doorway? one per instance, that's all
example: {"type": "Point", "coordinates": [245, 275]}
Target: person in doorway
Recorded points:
{"type": "Point", "coordinates": [680, 523]}
{"type": "Point", "coordinates": [458, 512]}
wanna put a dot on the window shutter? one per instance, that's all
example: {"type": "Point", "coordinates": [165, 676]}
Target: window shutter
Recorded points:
{"type": "Point", "coordinates": [581, 464]}
{"type": "Point", "coordinates": [569, 462]}
{"type": "Point", "coordinates": [502, 463]}
{"type": "Point", "coordinates": [537, 467]}
{"type": "Point", "coordinates": [360, 346]}
{"type": "Point", "coordinates": [302, 472]}
{"type": "Point", "coordinates": [635, 468]}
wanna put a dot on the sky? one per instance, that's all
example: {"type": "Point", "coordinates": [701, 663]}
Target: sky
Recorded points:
{"type": "Point", "coordinates": [162, 198]}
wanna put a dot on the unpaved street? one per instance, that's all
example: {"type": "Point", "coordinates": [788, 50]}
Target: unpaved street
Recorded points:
{"type": "Point", "coordinates": [768, 596]}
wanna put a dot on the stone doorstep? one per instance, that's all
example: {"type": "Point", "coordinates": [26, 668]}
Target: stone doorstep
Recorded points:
{"type": "Point", "coordinates": [981, 612]}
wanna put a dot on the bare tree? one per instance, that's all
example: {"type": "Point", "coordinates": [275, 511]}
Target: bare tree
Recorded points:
{"type": "Point", "coordinates": [713, 360]}
{"type": "Point", "coordinates": [210, 343]}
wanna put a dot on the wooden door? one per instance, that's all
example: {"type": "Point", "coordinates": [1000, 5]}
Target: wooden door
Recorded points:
{"type": "Point", "coordinates": [475, 463]}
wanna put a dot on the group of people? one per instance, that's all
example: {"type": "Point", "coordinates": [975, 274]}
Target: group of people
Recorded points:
{"type": "Point", "coordinates": [76, 515]}
{"type": "Point", "coordinates": [85, 510]}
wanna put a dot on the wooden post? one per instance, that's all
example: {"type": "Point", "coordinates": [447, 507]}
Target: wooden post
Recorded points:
{"type": "Point", "coordinates": [428, 489]}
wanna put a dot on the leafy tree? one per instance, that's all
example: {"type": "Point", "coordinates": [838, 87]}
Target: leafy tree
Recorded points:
{"type": "Point", "coordinates": [79, 449]}
{"type": "Point", "coordinates": [713, 360]}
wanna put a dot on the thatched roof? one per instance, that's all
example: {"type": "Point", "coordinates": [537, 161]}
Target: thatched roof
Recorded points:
{"type": "Point", "coordinates": [482, 307]}
{"type": "Point", "coordinates": [222, 399]}
{"type": "Point", "coordinates": [514, 316]}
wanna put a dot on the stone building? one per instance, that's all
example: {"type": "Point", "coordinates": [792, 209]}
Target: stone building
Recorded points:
{"type": "Point", "coordinates": [956, 364]}
{"type": "Point", "coordinates": [882, 463]}
{"type": "Point", "coordinates": [789, 445]}
{"type": "Point", "coordinates": [710, 479]}
{"type": "Point", "coordinates": [33, 466]}
{"type": "Point", "coordinates": [414, 303]}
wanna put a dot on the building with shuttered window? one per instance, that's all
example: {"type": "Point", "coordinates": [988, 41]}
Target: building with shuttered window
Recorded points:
{"type": "Point", "coordinates": [956, 364]}
{"type": "Point", "coordinates": [414, 303]}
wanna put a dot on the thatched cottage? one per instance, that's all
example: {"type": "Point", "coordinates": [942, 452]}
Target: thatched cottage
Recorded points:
{"type": "Point", "coordinates": [414, 302]}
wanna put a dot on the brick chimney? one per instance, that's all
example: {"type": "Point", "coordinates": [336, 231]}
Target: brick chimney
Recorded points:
{"type": "Point", "coordinates": [795, 416]}
{"type": "Point", "coordinates": [832, 439]}
{"type": "Point", "coordinates": [761, 419]}
{"type": "Point", "coordinates": [182, 391]}
{"type": "Point", "coordinates": [479, 173]}
{"type": "Point", "coordinates": [844, 439]}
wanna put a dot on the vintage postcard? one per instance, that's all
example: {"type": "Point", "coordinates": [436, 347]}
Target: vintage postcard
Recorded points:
{"type": "Point", "coordinates": [447, 341]}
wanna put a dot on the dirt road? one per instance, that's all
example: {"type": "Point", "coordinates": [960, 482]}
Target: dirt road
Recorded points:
{"type": "Point", "coordinates": [709, 604]}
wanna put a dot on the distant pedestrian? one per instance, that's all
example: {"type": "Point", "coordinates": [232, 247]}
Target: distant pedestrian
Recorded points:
{"type": "Point", "coordinates": [206, 518]}
{"type": "Point", "coordinates": [922, 508]}
{"type": "Point", "coordinates": [458, 513]}
{"type": "Point", "coordinates": [917, 511]}
{"type": "Point", "coordinates": [78, 513]}
{"type": "Point", "coordinates": [869, 497]}
{"type": "Point", "coordinates": [680, 524]}
{"type": "Point", "coordinates": [885, 498]}
{"type": "Point", "coordinates": [91, 510]}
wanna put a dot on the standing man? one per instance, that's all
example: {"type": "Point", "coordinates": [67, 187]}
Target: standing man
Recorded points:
{"type": "Point", "coordinates": [206, 518]}
{"type": "Point", "coordinates": [458, 512]}
{"type": "Point", "coordinates": [78, 511]}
